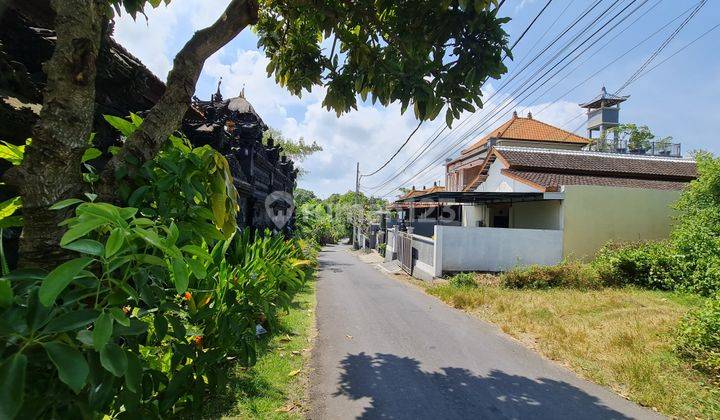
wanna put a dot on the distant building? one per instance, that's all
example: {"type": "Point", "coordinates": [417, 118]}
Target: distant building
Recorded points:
{"type": "Point", "coordinates": [461, 172]}
{"type": "Point", "coordinates": [531, 193]}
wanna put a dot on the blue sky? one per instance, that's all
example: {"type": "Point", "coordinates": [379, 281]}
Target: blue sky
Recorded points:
{"type": "Point", "coordinates": [679, 98]}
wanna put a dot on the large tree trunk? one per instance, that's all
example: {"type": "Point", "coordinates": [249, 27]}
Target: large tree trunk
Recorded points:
{"type": "Point", "coordinates": [51, 169]}
{"type": "Point", "coordinates": [166, 116]}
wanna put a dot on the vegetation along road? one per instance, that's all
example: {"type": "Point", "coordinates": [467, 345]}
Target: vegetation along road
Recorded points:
{"type": "Point", "coordinates": [386, 349]}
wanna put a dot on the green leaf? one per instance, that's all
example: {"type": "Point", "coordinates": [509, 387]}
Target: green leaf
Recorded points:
{"type": "Point", "coordinates": [138, 194]}
{"type": "Point", "coordinates": [150, 237]}
{"type": "Point", "coordinates": [71, 321]}
{"type": "Point", "coordinates": [6, 293]}
{"type": "Point", "coordinates": [11, 153]}
{"type": "Point", "coordinates": [124, 126]}
{"type": "Point", "coordinates": [12, 385]}
{"type": "Point", "coordinates": [180, 275]}
{"type": "Point", "coordinates": [133, 375]}
{"type": "Point", "coordinates": [102, 331]}
{"type": "Point", "coordinates": [198, 268]}
{"type": "Point", "coordinates": [85, 337]}
{"type": "Point", "coordinates": [114, 359]}
{"type": "Point", "coordinates": [8, 207]}
{"type": "Point", "coordinates": [119, 316]}
{"type": "Point", "coordinates": [161, 327]}
{"type": "Point", "coordinates": [86, 246]}
{"type": "Point", "coordinates": [90, 154]}
{"type": "Point", "coordinates": [11, 221]}
{"type": "Point", "coordinates": [81, 229]}
{"type": "Point", "coordinates": [59, 278]}
{"type": "Point", "coordinates": [71, 365]}
{"type": "Point", "coordinates": [114, 242]}
{"type": "Point", "coordinates": [65, 203]}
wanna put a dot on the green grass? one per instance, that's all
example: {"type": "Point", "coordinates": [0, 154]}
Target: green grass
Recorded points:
{"type": "Point", "coordinates": [276, 387]}
{"type": "Point", "coordinates": [621, 338]}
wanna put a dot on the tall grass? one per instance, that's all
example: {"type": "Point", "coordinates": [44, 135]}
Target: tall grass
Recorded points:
{"type": "Point", "coordinates": [621, 338]}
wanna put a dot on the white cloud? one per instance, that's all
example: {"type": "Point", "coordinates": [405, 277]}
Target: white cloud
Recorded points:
{"type": "Point", "coordinates": [369, 134]}
{"type": "Point", "coordinates": [149, 39]}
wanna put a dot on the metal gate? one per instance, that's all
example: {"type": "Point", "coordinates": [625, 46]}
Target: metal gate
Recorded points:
{"type": "Point", "coordinates": [405, 251]}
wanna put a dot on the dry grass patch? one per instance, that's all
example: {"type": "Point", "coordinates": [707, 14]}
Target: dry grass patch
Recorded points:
{"type": "Point", "coordinates": [622, 338]}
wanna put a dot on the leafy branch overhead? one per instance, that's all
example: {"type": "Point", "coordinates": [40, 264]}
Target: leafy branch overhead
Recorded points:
{"type": "Point", "coordinates": [429, 55]}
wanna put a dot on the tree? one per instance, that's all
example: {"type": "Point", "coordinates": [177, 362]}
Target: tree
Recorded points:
{"type": "Point", "coordinates": [297, 150]}
{"type": "Point", "coordinates": [302, 196]}
{"type": "Point", "coordinates": [431, 55]}
{"type": "Point", "coordinates": [638, 137]}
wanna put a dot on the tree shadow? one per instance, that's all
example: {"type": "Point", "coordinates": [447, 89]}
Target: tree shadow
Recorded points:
{"type": "Point", "coordinates": [333, 266]}
{"type": "Point", "coordinates": [398, 389]}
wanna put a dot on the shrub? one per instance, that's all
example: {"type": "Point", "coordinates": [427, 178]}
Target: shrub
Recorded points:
{"type": "Point", "coordinates": [697, 232]}
{"type": "Point", "coordinates": [699, 337]}
{"type": "Point", "coordinates": [463, 280]}
{"type": "Point", "coordinates": [141, 322]}
{"type": "Point", "coordinates": [160, 298]}
{"type": "Point", "coordinates": [653, 265]}
{"type": "Point", "coordinates": [571, 274]}
{"type": "Point", "coordinates": [381, 249]}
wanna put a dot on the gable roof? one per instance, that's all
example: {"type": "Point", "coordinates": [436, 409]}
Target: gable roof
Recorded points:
{"type": "Point", "coordinates": [549, 169]}
{"type": "Point", "coordinates": [528, 129]}
{"type": "Point", "coordinates": [416, 193]}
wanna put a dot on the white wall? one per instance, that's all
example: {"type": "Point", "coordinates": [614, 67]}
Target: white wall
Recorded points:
{"type": "Point", "coordinates": [497, 182]}
{"type": "Point", "coordinates": [495, 249]}
{"type": "Point", "coordinates": [472, 213]}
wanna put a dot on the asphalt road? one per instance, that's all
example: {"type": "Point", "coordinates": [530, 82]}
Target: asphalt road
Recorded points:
{"type": "Point", "coordinates": [387, 350]}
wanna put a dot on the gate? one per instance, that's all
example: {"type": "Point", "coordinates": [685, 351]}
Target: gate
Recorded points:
{"type": "Point", "coordinates": [405, 251]}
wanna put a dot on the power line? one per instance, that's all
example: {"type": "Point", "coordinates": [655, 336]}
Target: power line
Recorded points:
{"type": "Point", "coordinates": [394, 154]}
{"type": "Point", "coordinates": [435, 137]}
{"type": "Point", "coordinates": [487, 118]}
{"type": "Point", "coordinates": [522, 35]}
{"type": "Point", "coordinates": [662, 46]}
{"type": "Point", "coordinates": [679, 50]}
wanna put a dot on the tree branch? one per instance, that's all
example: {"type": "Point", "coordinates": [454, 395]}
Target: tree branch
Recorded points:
{"type": "Point", "coordinates": [166, 116]}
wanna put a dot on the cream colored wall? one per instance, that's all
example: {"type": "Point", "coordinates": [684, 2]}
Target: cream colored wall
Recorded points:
{"type": "Point", "coordinates": [594, 215]}
{"type": "Point", "coordinates": [536, 215]}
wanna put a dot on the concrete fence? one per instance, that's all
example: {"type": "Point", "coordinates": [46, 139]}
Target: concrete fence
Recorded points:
{"type": "Point", "coordinates": [455, 248]}
{"type": "Point", "coordinates": [494, 249]}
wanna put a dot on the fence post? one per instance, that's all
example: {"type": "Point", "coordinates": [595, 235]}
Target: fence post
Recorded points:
{"type": "Point", "coordinates": [438, 250]}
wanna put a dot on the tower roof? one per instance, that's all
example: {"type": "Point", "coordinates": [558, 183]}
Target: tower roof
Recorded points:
{"type": "Point", "coordinates": [604, 99]}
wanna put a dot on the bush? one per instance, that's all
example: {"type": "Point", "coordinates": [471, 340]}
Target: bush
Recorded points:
{"type": "Point", "coordinates": [463, 280]}
{"type": "Point", "coordinates": [697, 233]}
{"type": "Point", "coordinates": [699, 337]}
{"type": "Point", "coordinates": [566, 274]}
{"type": "Point", "coordinates": [141, 322]}
{"type": "Point", "coordinates": [160, 298]}
{"type": "Point", "coordinates": [652, 265]}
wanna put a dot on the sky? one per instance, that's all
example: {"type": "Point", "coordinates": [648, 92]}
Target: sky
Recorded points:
{"type": "Point", "coordinates": [679, 98]}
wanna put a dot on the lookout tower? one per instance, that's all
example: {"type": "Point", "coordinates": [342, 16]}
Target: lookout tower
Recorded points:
{"type": "Point", "coordinates": [603, 112]}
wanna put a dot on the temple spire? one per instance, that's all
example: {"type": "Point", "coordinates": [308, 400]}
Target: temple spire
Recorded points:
{"type": "Point", "coordinates": [217, 97]}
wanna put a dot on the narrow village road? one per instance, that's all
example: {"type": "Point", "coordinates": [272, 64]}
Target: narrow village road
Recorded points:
{"type": "Point", "coordinates": [387, 350]}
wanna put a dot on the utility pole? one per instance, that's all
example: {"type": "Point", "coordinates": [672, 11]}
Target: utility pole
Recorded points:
{"type": "Point", "coordinates": [356, 200]}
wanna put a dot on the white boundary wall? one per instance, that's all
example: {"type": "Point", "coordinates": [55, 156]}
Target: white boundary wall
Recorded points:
{"type": "Point", "coordinates": [494, 249]}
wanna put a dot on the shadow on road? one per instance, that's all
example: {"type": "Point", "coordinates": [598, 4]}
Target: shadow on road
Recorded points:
{"type": "Point", "coordinates": [398, 389]}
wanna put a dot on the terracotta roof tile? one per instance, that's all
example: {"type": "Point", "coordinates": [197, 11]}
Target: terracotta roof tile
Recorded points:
{"type": "Point", "coordinates": [553, 181]}
{"type": "Point", "coordinates": [528, 129]}
{"type": "Point", "coordinates": [597, 164]}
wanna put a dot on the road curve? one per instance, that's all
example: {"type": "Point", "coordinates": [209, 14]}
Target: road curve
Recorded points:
{"type": "Point", "coordinates": [387, 350]}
